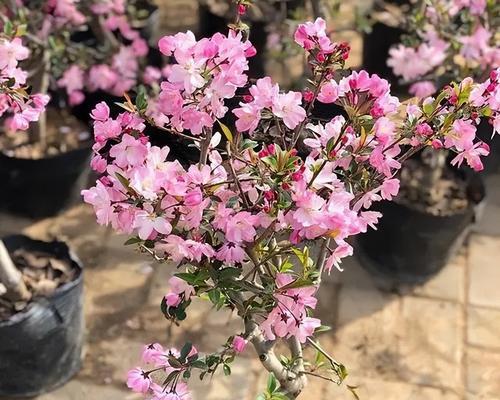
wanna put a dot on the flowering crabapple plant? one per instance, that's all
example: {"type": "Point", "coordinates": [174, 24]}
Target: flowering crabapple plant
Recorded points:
{"type": "Point", "coordinates": [75, 47]}
{"type": "Point", "coordinates": [270, 206]}
{"type": "Point", "coordinates": [15, 100]}
{"type": "Point", "coordinates": [447, 40]}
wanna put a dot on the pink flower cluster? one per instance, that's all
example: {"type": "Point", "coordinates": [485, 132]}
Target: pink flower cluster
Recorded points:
{"type": "Point", "coordinates": [179, 291]}
{"type": "Point", "coordinates": [155, 356]}
{"type": "Point", "coordinates": [452, 37]}
{"type": "Point", "coordinates": [23, 108]}
{"type": "Point", "coordinates": [266, 98]}
{"type": "Point", "coordinates": [289, 317]}
{"type": "Point", "coordinates": [122, 71]}
{"type": "Point", "coordinates": [114, 64]}
{"type": "Point", "coordinates": [235, 218]}
{"type": "Point", "coordinates": [203, 75]}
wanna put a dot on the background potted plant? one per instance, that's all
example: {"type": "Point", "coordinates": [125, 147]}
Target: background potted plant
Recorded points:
{"type": "Point", "coordinates": [251, 226]}
{"type": "Point", "coordinates": [41, 319]}
{"type": "Point", "coordinates": [445, 41]}
{"type": "Point", "coordinates": [383, 24]}
{"type": "Point", "coordinates": [75, 48]}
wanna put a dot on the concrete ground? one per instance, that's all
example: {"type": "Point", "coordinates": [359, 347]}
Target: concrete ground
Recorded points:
{"type": "Point", "coordinates": [436, 341]}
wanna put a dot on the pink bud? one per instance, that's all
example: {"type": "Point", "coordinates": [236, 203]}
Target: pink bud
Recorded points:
{"type": "Point", "coordinates": [437, 144]}
{"type": "Point", "coordinates": [239, 344]}
{"type": "Point", "coordinates": [100, 112]}
{"type": "Point", "coordinates": [424, 129]}
{"type": "Point", "coordinates": [242, 9]}
{"type": "Point", "coordinates": [308, 96]}
{"type": "Point", "coordinates": [320, 57]}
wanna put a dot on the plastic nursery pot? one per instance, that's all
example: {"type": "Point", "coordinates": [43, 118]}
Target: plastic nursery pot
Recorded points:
{"type": "Point", "coordinates": [42, 187]}
{"type": "Point", "coordinates": [410, 245]}
{"type": "Point", "coordinates": [40, 347]}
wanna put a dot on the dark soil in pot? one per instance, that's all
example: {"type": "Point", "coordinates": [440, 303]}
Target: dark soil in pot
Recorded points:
{"type": "Point", "coordinates": [41, 341]}
{"type": "Point", "coordinates": [40, 183]}
{"type": "Point", "coordinates": [415, 239]}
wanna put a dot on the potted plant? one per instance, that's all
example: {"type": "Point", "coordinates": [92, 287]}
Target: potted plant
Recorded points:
{"type": "Point", "coordinates": [429, 219]}
{"type": "Point", "coordinates": [74, 48]}
{"type": "Point", "coordinates": [251, 226]}
{"type": "Point", "coordinates": [445, 41]}
{"type": "Point", "coordinates": [41, 318]}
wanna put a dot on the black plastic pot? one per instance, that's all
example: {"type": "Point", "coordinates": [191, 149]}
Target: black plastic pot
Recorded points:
{"type": "Point", "coordinates": [40, 348]}
{"type": "Point", "coordinates": [41, 188]}
{"type": "Point", "coordinates": [410, 245]}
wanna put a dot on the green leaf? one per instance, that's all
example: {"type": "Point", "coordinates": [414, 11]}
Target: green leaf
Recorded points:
{"type": "Point", "coordinates": [174, 362]}
{"type": "Point", "coordinates": [132, 240]}
{"type": "Point", "coordinates": [8, 28]}
{"type": "Point", "coordinates": [214, 295]}
{"type": "Point", "coordinates": [249, 144]}
{"type": "Point", "coordinates": [141, 102]}
{"type": "Point", "coordinates": [227, 369]}
{"type": "Point", "coordinates": [180, 314]}
{"type": "Point", "coordinates": [428, 108]}
{"type": "Point", "coordinates": [272, 383]}
{"type": "Point", "coordinates": [200, 364]}
{"type": "Point", "coordinates": [124, 181]}
{"type": "Point", "coordinates": [342, 372]}
{"type": "Point", "coordinates": [226, 131]}
{"type": "Point", "coordinates": [186, 349]}
{"type": "Point", "coordinates": [229, 273]}
{"type": "Point", "coordinates": [322, 328]}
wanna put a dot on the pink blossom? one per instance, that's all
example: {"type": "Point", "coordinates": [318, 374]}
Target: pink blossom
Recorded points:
{"type": "Point", "coordinates": [313, 34]}
{"type": "Point", "coordinates": [329, 92]}
{"type": "Point", "coordinates": [231, 253]}
{"type": "Point", "coordinates": [341, 251]}
{"type": "Point", "coordinates": [264, 93]}
{"type": "Point", "coordinates": [72, 80]}
{"type": "Point", "coordinates": [248, 117]}
{"type": "Point", "coordinates": [179, 290]}
{"type": "Point", "coordinates": [241, 227]}
{"type": "Point", "coordinates": [389, 188]}
{"type": "Point", "coordinates": [100, 112]}
{"type": "Point", "coordinates": [148, 223]}
{"type": "Point", "coordinates": [129, 151]}
{"type": "Point", "coordinates": [138, 380]}
{"type": "Point", "coordinates": [153, 353]}
{"type": "Point", "coordinates": [422, 89]}
{"type": "Point", "coordinates": [11, 52]}
{"type": "Point", "coordinates": [461, 136]}
{"type": "Point", "coordinates": [288, 107]}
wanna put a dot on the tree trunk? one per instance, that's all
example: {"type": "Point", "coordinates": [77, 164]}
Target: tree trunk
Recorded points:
{"type": "Point", "coordinates": [41, 85]}
{"type": "Point", "coordinates": [11, 277]}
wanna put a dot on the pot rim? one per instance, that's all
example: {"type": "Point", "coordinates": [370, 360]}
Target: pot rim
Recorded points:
{"type": "Point", "coordinates": [68, 286]}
